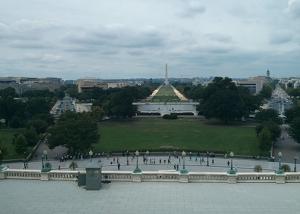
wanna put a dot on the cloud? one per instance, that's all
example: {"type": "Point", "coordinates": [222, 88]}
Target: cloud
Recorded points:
{"type": "Point", "coordinates": [280, 38]}
{"type": "Point", "coordinates": [116, 37]}
{"type": "Point", "coordinates": [219, 37]}
{"type": "Point", "coordinates": [27, 34]}
{"type": "Point", "coordinates": [191, 8]}
{"type": "Point", "coordinates": [294, 8]}
{"type": "Point", "coordinates": [44, 58]}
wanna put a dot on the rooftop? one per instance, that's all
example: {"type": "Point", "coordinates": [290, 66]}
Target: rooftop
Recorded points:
{"type": "Point", "coordinates": [30, 197]}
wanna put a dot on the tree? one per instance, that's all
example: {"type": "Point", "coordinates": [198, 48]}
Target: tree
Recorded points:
{"type": "Point", "coordinates": [78, 132]}
{"type": "Point", "coordinates": [265, 140]}
{"type": "Point", "coordinates": [295, 129]}
{"type": "Point", "coordinates": [274, 129]}
{"type": "Point", "coordinates": [31, 136]}
{"type": "Point", "coordinates": [120, 105]}
{"type": "Point", "coordinates": [2, 153]}
{"type": "Point", "coordinates": [268, 115]}
{"type": "Point", "coordinates": [225, 105]}
{"type": "Point", "coordinates": [8, 92]}
{"type": "Point", "coordinates": [20, 144]}
{"type": "Point", "coordinates": [266, 91]}
{"type": "Point", "coordinates": [222, 99]}
{"type": "Point", "coordinates": [292, 113]}
{"type": "Point", "coordinates": [97, 113]}
{"type": "Point", "coordinates": [15, 122]}
{"type": "Point", "coordinates": [39, 125]}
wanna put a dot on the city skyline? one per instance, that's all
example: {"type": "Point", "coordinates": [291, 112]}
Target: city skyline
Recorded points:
{"type": "Point", "coordinates": [118, 40]}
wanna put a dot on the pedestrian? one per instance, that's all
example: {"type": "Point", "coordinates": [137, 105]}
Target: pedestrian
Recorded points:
{"type": "Point", "coordinates": [119, 165]}
{"type": "Point", "coordinates": [212, 161]}
{"type": "Point", "coordinates": [58, 167]}
{"type": "Point", "coordinates": [228, 163]}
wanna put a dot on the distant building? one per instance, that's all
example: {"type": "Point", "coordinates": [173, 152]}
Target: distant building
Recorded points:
{"type": "Point", "coordinates": [166, 99]}
{"type": "Point", "coordinates": [89, 84]}
{"type": "Point", "coordinates": [22, 84]}
{"type": "Point", "coordinates": [254, 84]}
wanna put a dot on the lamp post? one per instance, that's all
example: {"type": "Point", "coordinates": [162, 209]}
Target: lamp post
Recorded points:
{"type": "Point", "coordinates": [147, 154]}
{"type": "Point", "coordinates": [137, 169]}
{"type": "Point", "coordinates": [231, 161]}
{"type": "Point", "coordinates": [0, 158]}
{"type": "Point", "coordinates": [183, 159]}
{"type": "Point", "coordinates": [295, 163]}
{"type": "Point", "coordinates": [184, 170]}
{"type": "Point", "coordinates": [43, 166]}
{"type": "Point", "coordinates": [91, 155]}
{"type": "Point", "coordinates": [279, 163]}
{"type": "Point", "coordinates": [207, 161]}
{"type": "Point", "coordinates": [45, 153]}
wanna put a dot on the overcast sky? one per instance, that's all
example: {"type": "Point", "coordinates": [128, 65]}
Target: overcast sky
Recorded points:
{"type": "Point", "coordinates": [135, 38]}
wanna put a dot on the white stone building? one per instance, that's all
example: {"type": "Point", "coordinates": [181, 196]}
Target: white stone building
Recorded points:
{"type": "Point", "coordinates": [166, 99]}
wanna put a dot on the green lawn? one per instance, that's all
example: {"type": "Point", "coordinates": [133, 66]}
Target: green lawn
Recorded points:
{"type": "Point", "coordinates": [165, 94]}
{"type": "Point", "coordinates": [188, 134]}
{"type": "Point", "coordinates": [6, 138]}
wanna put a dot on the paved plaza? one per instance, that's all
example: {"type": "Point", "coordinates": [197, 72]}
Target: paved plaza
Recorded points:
{"type": "Point", "coordinates": [161, 163]}
{"type": "Point", "coordinates": [36, 197]}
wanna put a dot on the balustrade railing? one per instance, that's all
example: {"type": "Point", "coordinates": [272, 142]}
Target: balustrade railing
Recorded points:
{"type": "Point", "coordinates": [156, 176]}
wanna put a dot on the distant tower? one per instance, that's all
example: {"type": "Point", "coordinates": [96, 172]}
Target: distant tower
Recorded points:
{"type": "Point", "coordinates": [166, 76]}
{"type": "Point", "coordinates": [268, 73]}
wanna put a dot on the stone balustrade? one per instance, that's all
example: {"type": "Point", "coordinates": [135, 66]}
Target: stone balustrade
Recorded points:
{"type": "Point", "coordinates": [156, 176]}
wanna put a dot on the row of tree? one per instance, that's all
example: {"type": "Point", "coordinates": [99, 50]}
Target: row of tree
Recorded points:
{"type": "Point", "coordinates": [223, 100]}
{"type": "Point", "coordinates": [293, 119]}
{"type": "Point", "coordinates": [269, 128]}
{"type": "Point", "coordinates": [76, 131]}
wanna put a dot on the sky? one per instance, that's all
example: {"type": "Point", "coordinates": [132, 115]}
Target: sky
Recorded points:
{"type": "Point", "coordinates": [135, 38]}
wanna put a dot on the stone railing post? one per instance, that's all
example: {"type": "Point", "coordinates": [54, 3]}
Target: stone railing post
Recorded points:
{"type": "Point", "coordinates": [183, 178]}
{"type": "Point", "coordinates": [136, 177]}
{"type": "Point", "coordinates": [232, 178]}
{"type": "Point", "coordinates": [280, 178]}
{"type": "Point", "coordinates": [44, 176]}
{"type": "Point", "coordinates": [2, 175]}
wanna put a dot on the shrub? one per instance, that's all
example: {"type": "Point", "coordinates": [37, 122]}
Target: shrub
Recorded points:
{"type": "Point", "coordinates": [257, 168]}
{"type": "Point", "coordinates": [170, 116]}
{"type": "Point", "coordinates": [285, 168]}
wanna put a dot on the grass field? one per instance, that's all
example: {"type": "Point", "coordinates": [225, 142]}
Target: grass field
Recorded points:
{"type": "Point", "coordinates": [165, 94]}
{"type": "Point", "coordinates": [182, 134]}
{"type": "Point", "coordinates": [6, 138]}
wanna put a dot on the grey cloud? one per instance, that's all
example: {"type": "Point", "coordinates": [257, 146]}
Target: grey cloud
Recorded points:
{"type": "Point", "coordinates": [115, 38]}
{"type": "Point", "coordinates": [26, 34]}
{"type": "Point", "coordinates": [191, 8]}
{"type": "Point", "coordinates": [294, 8]}
{"type": "Point", "coordinates": [219, 37]}
{"type": "Point", "coordinates": [281, 38]}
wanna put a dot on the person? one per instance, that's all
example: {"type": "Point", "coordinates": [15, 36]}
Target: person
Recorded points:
{"type": "Point", "coordinates": [119, 165]}
{"type": "Point", "coordinates": [228, 163]}
{"type": "Point", "coordinates": [58, 167]}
